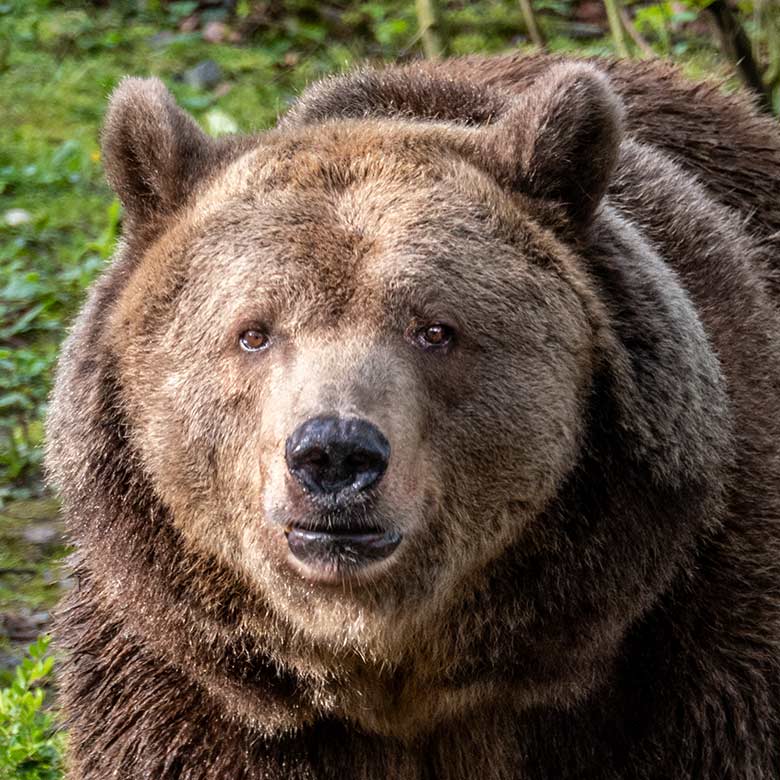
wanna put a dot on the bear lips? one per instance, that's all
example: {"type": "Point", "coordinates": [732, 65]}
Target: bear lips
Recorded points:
{"type": "Point", "coordinates": [332, 552]}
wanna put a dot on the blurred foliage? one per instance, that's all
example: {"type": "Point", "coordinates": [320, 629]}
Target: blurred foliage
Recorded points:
{"type": "Point", "coordinates": [60, 60]}
{"type": "Point", "coordinates": [31, 551]}
{"type": "Point", "coordinates": [30, 746]}
{"type": "Point", "coordinates": [662, 23]}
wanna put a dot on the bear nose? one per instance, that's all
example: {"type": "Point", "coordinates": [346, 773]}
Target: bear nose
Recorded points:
{"type": "Point", "coordinates": [337, 456]}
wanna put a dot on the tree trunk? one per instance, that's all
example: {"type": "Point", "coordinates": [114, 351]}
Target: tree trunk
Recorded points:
{"type": "Point", "coordinates": [534, 33]}
{"type": "Point", "coordinates": [638, 40]}
{"type": "Point", "coordinates": [736, 46]}
{"type": "Point", "coordinates": [616, 27]}
{"type": "Point", "coordinates": [429, 26]}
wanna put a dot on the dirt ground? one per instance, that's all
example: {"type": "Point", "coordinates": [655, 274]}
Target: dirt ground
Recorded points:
{"type": "Point", "coordinates": [32, 575]}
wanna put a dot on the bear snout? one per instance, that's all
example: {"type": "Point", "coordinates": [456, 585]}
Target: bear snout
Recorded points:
{"type": "Point", "coordinates": [337, 459]}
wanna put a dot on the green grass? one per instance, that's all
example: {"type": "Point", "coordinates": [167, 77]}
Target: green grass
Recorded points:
{"type": "Point", "coordinates": [29, 571]}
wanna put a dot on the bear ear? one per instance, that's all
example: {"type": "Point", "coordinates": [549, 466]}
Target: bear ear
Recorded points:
{"type": "Point", "coordinates": [560, 139]}
{"type": "Point", "coordinates": [154, 152]}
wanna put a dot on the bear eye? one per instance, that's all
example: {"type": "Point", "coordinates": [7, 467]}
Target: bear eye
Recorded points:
{"type": "Point", "coordinates": [434, 335]}
{"type": "Point", "coordinates": [253, 340]}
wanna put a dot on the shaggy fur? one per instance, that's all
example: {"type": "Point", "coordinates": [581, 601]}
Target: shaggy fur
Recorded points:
{"type": "Point", "coordinates": [586, 483]}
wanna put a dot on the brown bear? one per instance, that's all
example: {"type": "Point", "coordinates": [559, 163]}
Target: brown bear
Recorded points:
{"type": "Point", "coordinates": [431, 434]}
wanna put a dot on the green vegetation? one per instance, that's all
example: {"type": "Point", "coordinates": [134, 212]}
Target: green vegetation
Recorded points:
{"type": "Point", "coordinates": [30, 746]}
{"type": "Point", "coordinates": [31, 549]}
{"type": "Point", "coordinates": [235, 70]}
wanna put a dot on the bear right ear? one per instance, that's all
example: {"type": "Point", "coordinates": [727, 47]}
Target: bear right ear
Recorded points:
{"type": "Point", "coordinates": [154, 153]}
{"type": "Point", "coordinates": [559, 140]}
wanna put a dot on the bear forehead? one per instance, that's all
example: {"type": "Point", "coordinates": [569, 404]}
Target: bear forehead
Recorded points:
{"type": "Point", "coordinates": [340, 153]}
{"type": "Point", "coordinates": [342, 157]}
{"type": "Point", "coordinates": [348, 187]}
{"type": "Point", "coordinates": [346, 212]}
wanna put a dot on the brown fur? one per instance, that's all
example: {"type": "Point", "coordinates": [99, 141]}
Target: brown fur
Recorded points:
{"type": "Point", "coordinates": [587, 484]}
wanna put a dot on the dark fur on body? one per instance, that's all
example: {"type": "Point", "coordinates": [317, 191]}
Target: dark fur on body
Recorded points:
{"type": "Point", "coordinates": [621, 620]}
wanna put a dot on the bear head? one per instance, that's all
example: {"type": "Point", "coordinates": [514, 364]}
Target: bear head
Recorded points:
{"type": "Point", "coordinates": [423, 417]}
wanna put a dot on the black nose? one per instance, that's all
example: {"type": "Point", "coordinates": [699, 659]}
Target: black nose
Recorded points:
{"type": "Point", "coordinates": [337, 456]}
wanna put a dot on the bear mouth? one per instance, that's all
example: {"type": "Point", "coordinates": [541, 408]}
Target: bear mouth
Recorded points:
{"type": "Point", "coordinates": [334, 552]}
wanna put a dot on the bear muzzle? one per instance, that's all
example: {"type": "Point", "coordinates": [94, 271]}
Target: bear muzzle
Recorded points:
{"type": "Point", "coordinates": [335, 459]}
{"type": "Point", "coordinates": [338, 462]}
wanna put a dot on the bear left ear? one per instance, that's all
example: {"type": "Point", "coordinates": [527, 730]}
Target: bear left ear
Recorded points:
{"type": "Point", "coordinates": [154, 152]}
{"type": "Point", "coordinates": [560, 139]}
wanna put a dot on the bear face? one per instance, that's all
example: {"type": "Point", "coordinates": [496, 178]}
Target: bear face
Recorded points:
{"type": "Point", "coordinates": [340, 265]}
{"type": "Point", "coordinates": [507, 342]}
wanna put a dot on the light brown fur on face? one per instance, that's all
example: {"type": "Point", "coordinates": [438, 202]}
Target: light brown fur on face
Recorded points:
{"type": "Point", "coordinates": [567, 478]}
{"type": "Point", "coordinates": [382, 261]}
